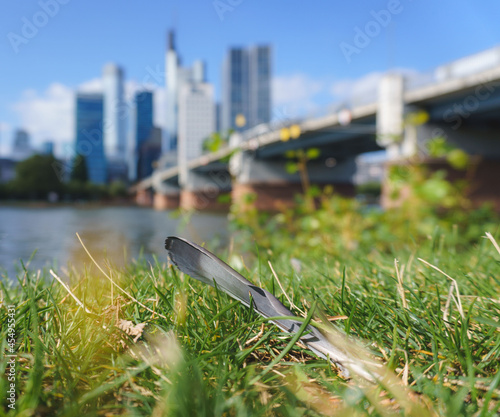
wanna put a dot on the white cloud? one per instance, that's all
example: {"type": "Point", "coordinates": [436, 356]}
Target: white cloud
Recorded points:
{"type": "Point", "coordinates": [47, 115]}
{"type": "Point", "coordinates": [347, 88]}
{"type": "Point", "coordinates": [364, 88]}
{"type": "Point", "coordinates": [295, 93]}
{"type": "Point", "coordinates": [94, 85]}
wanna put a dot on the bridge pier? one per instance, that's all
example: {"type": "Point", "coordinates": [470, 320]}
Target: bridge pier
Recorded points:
{"type": "Point", "coordinates": [481, 176]}
{"type": "Point", "coordinates": [144, 198]}
{"type": "Point", "coordinates": [479, 140]}
{"type": "Point", "coordinates": [267, 185]}
{"type": "Point", "coordinates": [166, 201]}
{"type": "Point", "coordinates": [167, 194]}
{"type": "Point", "coordinates": [205, 190]}
{"type": "Point", "coordinates": [390, 115]}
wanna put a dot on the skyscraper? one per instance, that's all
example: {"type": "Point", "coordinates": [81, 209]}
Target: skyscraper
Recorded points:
{"type": "Point", "coordinates": [114, 113]}
{"type": "Point", "coordinates": [246, 88]}
{"type": "Point", "coordinates": [259, 85]}
{"type": "Point", "coordinates": [171, 67]}
{"type": "Point", "coordinates": [89, 135]}
{"type": "Point", "coordinates": [21, 147]}
{"type": "Point", "coordinates": [149, 153]}
{"type": "Point", "coordinates": [176, 77]}
{"type": "Point", "coordinates": [143, 128]}
{"type": "Point", "coordinates": [143, 117]}
{"type": "Point", "coordinates": [235, 89]}
{"type": "Point", "coordinates": [196, 119]}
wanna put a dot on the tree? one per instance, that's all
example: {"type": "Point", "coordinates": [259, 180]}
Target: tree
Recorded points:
{"type": "Point", "coordinates": [117, 189]}
{"type": "Point", "coordinates": [79, 169]}
{"type": "Point", "coordinates": [36, 178]}
{"type": "Point", "coordinates": [216, 141]}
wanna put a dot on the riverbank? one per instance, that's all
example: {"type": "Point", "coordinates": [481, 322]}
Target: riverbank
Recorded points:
{"type": "Point", "coordinates": [171, 343]}
{"type": "Point", "coordinates": [146, 340]}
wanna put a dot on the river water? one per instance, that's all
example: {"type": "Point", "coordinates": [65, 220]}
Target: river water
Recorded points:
{"type": "Point", "coordinates": [112, 234]}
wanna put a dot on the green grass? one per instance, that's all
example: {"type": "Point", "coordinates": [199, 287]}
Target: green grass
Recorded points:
{"type": "Point", "coordinates": [211, 356]}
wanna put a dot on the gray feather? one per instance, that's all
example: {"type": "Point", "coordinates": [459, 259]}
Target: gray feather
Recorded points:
{"type": "Point", "coordinates": [201, 264]}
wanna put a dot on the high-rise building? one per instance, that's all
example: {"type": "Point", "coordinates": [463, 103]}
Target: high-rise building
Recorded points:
{"type": "Point", "coordinates": [259, 85]}
{"type": "Point", "coordinates": [196, 118]}
{"type": "Point", "coordinates": [235, 89]}
{"type": "Point", "coordinates": [89, 135]}
{"type": "Point", "coordinates": [149, 153]}
{"type": "Point", "coordinates": [143, 126]}
{"type": "Point", "coordinates": [171, 68]}
{"type": "Point", "coordinates": [21, 148]}
{"type": "Point", "coordinates": [246, 88]}
{"type": "Point", "coordinates": [143, 116]}
{"type": "Point", "coordinates": [114, 113]}
{"type": "Point", "coordinates": [176, 77]}
{"type": "Point", "coordinates": [47, 147]}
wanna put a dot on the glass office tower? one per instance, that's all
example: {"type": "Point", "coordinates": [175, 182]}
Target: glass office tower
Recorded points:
{"type": "Point", "coordinates": [246, 88]}
{"type": "Point", "coordinates": [143, 126]}
{"type": "Point", "coordinates": [114, 113]}
{"type": "Point", "coordinates": [259, 85]}
{"type": "Point", "coordinates": [89, 135]}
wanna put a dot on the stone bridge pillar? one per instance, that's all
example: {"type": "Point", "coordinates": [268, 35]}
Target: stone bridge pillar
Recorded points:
{"type": "Point", "coordinates": [144, 198]}
{"type": "Point", "coordinates": [390, 116]}
{"type": "Point", "coordinates": [205, 189]}
{"type": "Point", "coordinates": [166, 194]}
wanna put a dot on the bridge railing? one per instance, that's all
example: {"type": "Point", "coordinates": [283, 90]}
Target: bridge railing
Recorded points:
{"type": "Point", "coordinates": [420, 80]}
{"type": "Point", "coordinates": [470, 65]}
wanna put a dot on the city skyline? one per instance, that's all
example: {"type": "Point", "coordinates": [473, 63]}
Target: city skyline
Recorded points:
{"type": "Point", "coordinates": [313, 67]}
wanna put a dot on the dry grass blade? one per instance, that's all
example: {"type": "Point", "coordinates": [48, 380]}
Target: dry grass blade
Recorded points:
{"type": "Point", "coordinates": [256, 337]}
{"type": "Point", "coordinates": [447, 306]}
{"type": "Point", "coordinates": [401, 290]}
{"type": "Point", "coordinates": [495, 244]}
{"type": "Point", "coordinates": [292, 305]}
{"type": "Point", "coordinates": [69, 291]}
{"type": "Point", "coordinates": [492, 239]}
{"type": "Point", "coordinates": [114, 283]}
{"type": "Point", "coordinates": [457, 301]}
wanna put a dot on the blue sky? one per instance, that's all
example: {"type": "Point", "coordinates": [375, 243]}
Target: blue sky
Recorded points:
{"type": "Point", "coordinates": [66, 51]}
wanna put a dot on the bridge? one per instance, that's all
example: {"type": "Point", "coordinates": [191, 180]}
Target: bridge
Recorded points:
{"type": "Point", "coordinates": [461, 99]}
